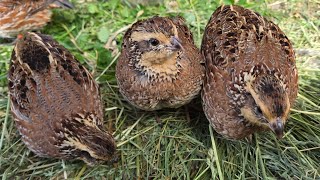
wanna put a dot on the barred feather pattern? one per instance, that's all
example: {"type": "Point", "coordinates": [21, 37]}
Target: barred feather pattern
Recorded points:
{"type": "Point", "coordinates": [26, 15]}
{"type": "Point", "coordinates": [56, 103]}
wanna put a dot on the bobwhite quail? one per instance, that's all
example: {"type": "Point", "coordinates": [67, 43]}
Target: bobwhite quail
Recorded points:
{"type": "Point", "coordinates": [18, 16]}
{"type": "Point", "coordinates": [159, 65]}
{"type": "Point", "coordinates": [251, 78]}
{"type": "Point", "coordinates": [56, 103]}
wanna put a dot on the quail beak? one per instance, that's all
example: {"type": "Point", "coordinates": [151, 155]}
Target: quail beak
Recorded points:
{"type": "Point", "coordinates": [277, 127]}
{"type": "Point", "coordinates": [175, 44]}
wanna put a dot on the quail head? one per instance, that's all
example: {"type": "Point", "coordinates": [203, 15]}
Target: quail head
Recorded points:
{"type": "Point", "coordinates": [56, 103]}
{"type": "Point", "coordinates": [251, 80]}
{"type": "Point", "coordinates": [18, 16]}
{"type": "Point", "coordinates": [159, 65]}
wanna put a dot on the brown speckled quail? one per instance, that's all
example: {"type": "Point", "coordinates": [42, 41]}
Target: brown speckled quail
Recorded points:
{"type": "Point", "coordinates": [251, 78]}
{"type": "Point", "coordinates": [18, 16]}
{"type": "Point", "coordinates": [159, 66]}
{"type": "Point", "coordinates": [56, 103]}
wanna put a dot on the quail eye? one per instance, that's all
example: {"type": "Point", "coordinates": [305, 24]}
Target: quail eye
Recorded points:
{"type": "Point", "coordinates": [153, 41]}
{"type": "Point", "coordinates": [258, 110]}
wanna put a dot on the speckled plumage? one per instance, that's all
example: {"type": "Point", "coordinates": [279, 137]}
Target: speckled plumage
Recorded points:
{"type": "Point", "coordinates": [159, 65]}
{"type": "Point", "coordinates": [56, 103]}
{"type": "Point", "coordinates": [251, 78]}
{"type": "Point", "coordinates": [18, 16]}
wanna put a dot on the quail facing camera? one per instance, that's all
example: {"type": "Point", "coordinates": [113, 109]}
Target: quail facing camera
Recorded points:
{"type": "Point", "coordinates": [159, 66]}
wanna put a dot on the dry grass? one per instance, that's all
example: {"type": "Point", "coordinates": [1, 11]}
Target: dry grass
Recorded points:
{"type": "Point", "coordinates": [182, 148]}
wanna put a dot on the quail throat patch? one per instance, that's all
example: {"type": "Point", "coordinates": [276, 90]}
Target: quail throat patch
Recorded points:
{"type": "Point", "coordinates": [161, 65]}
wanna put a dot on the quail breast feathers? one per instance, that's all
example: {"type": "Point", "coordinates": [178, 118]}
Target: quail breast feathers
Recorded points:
{"type": "Point", "coordinates": [251, 80]}
{"type": "Point", "coordinates": [56, 103]}
{"type": "Point", "coordinates": [159, 65]}
{"type": "Point", "coordinates": [18, 16]}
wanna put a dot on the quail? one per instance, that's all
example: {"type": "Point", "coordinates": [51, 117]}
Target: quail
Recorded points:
{"type": "Point", "coordinates": [159, 66]}
{"type": "Point", "coordinates": [55, 102]}
{"type": "Point", "coordinates": [18, 16]}
{"type": "Point", "coordinates": [251, 80]}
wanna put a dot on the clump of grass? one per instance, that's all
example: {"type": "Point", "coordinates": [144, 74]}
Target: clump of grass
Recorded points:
{"type": "Point", "coordinates": [185, 147]}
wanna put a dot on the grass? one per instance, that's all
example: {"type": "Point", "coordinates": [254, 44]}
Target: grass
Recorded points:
{"type": "Point", "coordinates": [186, 147]}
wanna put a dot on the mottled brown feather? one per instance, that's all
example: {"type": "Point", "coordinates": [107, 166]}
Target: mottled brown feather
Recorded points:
{"type": "Point", "coordinates": [18, 16]}
{"type": "Point", "coordinates": [238, 42]}
{"type": "Point", "coordinates": [56, 103]}
{"type": "Point", "coordinates": [180, 78]}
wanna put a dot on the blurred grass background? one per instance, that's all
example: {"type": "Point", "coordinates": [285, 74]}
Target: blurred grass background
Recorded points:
{"type": "Point", "coordinates": [185, 147]}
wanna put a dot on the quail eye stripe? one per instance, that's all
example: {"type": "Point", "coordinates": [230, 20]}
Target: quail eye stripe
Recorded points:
{"type": "Point", "coordinates": [153, 41]}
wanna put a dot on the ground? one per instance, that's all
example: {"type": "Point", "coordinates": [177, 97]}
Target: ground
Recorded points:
{"type": "Point", "coordinates": [185, 147]}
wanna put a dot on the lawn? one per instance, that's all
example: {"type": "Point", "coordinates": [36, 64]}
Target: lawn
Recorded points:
{"type": "Point", "coordinates": [184, 147]}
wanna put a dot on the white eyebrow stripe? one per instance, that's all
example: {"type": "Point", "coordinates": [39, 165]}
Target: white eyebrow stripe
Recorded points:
{"type": "Point", "coordinates": [144, 36]}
